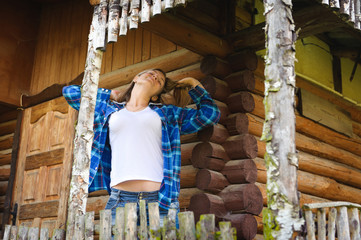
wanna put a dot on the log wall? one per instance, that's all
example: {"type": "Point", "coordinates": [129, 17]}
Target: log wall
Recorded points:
{"type": "Point", "coordinates": [329, 162]}
{"type": "Point", "coordinates": [17, 40]}
{"type": "Point", "coordinates": [62, 45]}
{"type": "Point", "coordinates": [7, 130]}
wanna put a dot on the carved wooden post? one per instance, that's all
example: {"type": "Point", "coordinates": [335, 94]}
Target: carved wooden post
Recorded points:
{"type": "Point", "coordinates": [281, 217]}
{"type": "Point", "coordinates": [84, 130]}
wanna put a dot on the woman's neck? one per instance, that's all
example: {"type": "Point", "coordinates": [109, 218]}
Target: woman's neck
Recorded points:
{"type": "Point", "coordinates": [139, 99]}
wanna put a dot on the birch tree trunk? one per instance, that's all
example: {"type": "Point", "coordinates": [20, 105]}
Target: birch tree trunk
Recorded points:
{"type": "Point", "coordinates": [281, 218]}
{"type": "Point", "coordinates": [84, 130]}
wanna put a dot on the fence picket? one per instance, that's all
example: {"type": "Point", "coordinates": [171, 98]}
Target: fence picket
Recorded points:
{"type": "Point", "coordinates": [226, 231]}
{"type": "Point", "coordinates": [310, 225]}
{"type": "Point", "coordinates": [343, 231]}
{"type": "Point", "coordinates": [186, 226]}
{"type": "Point", "coordinates": [321, 223]}
{"type": "Point", "coordinates": [143, 231]}
{"type": "Point", "coordinates": [89, 226]}
{"type": "Point", "coordinates": [13, 231]}
{"type": "Point", "coordinates": [7, 232]}
{"type": "Point", "coordinates": [119, 224]}
{"type": "Point", "coordinates": [33, 233]}
{"type": "Point", "coordinates": [353, 217]}
{"type": "Point", "coordinates": [169, 226]}
{"type": "Point", "coordinates": [79, 227]}
{"type": "Point", "coordinates": [332, 214]}
{"type": "Point", "coordinates": [130, 221]}
{"type": "Point", "coordinates": [154, 225]}
{"type": "Point", "coordinates": [44, 234]}
{"type": "Point", "coordinates": [105, 225]}
{"type": "Point", "coordinates": [58, 234]}
{"type": "Point", "coordinates": [23, 233]}
{"type": "Point", "coordinates": [205, 227]}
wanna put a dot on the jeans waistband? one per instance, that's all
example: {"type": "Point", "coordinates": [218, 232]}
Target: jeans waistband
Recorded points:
{"type": "Point", "coordinates": [134, 194]}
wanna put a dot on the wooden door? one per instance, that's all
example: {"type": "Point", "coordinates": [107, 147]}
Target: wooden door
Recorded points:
{"type": "Point", "coordinates": [44, 164]}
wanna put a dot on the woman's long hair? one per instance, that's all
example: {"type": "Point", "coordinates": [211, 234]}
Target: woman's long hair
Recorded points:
{"type": "Point", "coordinates": [172, 93]}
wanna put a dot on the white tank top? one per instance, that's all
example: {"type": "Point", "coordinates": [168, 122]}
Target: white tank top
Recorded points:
{"type": "Point", "coordinates": [136, 143]}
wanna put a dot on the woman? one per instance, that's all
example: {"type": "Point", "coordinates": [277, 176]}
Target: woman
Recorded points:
{"type": "Point", "coordinates": [136, 148]}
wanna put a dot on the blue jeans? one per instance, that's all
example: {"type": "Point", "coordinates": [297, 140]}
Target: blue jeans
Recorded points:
{"type": "Point", "coordinates": [118, 198]}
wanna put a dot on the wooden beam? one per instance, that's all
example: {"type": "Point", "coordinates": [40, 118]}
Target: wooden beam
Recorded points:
{"type": "Point", "coordinates": [188, 35]}
{"type": "Point", "coordinates": [311, 20]}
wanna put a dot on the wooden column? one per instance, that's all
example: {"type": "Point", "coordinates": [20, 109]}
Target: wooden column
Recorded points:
{"type": "Point", "coordinates": [281, 218]}
{"type": "Point", "coordinates": [84, 129]}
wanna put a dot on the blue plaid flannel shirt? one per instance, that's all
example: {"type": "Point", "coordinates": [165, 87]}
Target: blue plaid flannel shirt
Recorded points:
{"type": "Point", "coordinates": [175, 121]}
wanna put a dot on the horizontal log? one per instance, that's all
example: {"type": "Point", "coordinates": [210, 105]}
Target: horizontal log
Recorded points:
{"type": "Point", "coordinates": [242, 197]}
{"type": "Point", "coordinates": [189, 138]}
{"type": "Point", "coordinates": [185, 196]}
{"type": "Point", "coordinates": [209, 155]}
{"type": "Point", "coordinates": [241, 146]}
{"type": "Point", "coordinates": [241, 81]}
{"type": "Point", "coordinates": [168, 62]}
{"type": "Point", "coordinates": [240, 171]}
{"type": "Point", "coordinates": [5, 173]}
{"type": "Point", "coordinates": [223, 108]}
{"type": "Point", "coordinates": [211, 65]}
{"type": "Point", "coordinates": [186, 152]}
{"type": "Point", "coordinates": [205, 203]}
{"type": "Point", "coordinates": [216, 134]}
{"type": "Point", "coordinates": [188, 176]}
{"type": "Point", "coordinates": [6, 142]}
{"type": "Point", "coordinates": [3, 187]}
{"type": "Point", "coordinates": [323, 167]}
{"type": "Point", "coordinates": [237, 123]}
{"type": "Point", "coordinates": [356, 128]}
{"type": "Point", "coordinates": [246, 59]}
{"type": "Point", "coordinates": [217, 88]}
{"type": "Point", "coordinates": [5, 159]}
{"type": "Point", "coordinates": [7, 127]}
{"type": "Point", "coordinates": [9, 116]}
{"type": "Point", "coordinates": [211, 181]}
{"type": "Point", "coordinates": [187, 71]}
{"type": "Point", "coordinates": [312, 146]}
{"type": "Point", "coordinates": [240, 102]}
{"type": "Point", "coordinates": [318, 186]}
{"type": "Point", "coordinates": [245, 224]}
{"type": "Point", "coordinates": [304, 198]}
{"type": "Point", "coordinates": [188, 35]}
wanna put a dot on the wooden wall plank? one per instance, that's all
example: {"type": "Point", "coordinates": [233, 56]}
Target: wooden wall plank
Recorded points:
{"type": "Point", "coordinates": [7, 127]}
{"type": "Point", "coordinates": [138, 45]}
{"type": "Point", "coordinates": [130, 47]}
{"type": "Point", "coordinates": [119, 53]}
{"type": "Point", "coordinates": [5, 159]}
{"type": "Point", "coordinates": [146, 45]}
{"type": "Point", "coordinates": [39, 210]}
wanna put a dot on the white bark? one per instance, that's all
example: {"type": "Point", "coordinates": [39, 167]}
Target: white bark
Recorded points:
{"type": "Point", "coordinates": [84, 130]}
{"type": "Point", "coordinates": [113, 21]}
{"type": "Point", "coordinates": [282, 215]}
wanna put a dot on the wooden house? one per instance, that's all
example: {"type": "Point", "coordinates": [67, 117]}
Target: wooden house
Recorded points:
{"type": "Point", "coordinates": [43, 48]}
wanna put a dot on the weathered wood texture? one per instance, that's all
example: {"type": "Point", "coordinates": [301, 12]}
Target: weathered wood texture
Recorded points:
{"type": "Point", "coordinates": [61, 47]}
{"type": "Point", "coordinates": [17, 60]}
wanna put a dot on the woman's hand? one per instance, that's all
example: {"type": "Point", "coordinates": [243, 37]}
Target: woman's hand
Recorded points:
{"type": "Point", "coordinates": [190, 81]}
{"type": "Point", "coordinates": [114, 95]}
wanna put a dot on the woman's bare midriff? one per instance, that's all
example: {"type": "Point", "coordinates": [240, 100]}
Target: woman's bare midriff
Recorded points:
{"type": "Point", "coordinates": [138, 186]}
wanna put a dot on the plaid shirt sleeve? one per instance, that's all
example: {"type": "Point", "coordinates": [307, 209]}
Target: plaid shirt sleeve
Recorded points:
{"type": "Point", "coordinates": [206, 114]}
{"type": "Point", "coordinates": [72, 95]}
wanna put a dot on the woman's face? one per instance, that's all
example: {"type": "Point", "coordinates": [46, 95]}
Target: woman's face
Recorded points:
{"type": "Point", "coordinates": [152, 78]}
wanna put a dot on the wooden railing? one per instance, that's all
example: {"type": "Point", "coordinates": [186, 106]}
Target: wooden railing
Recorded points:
{"type": "Point", "coordinates": [126, 226]}
{"type": "Point", "coordinates": [333, 219]}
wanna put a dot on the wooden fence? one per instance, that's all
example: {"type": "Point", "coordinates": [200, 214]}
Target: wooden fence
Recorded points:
{"type": "Point", "coordinates": [343, 221]}
{"type": "Point", "coordinates": [126, 226]}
